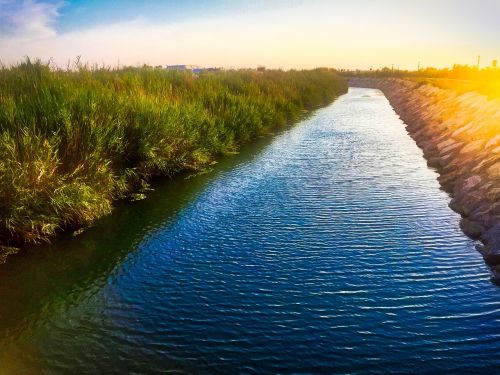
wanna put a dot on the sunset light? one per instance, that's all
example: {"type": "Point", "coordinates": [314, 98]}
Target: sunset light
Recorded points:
{"type": "Point", "coordinates": [249, 187]}
{"type": "Point", "coordinates": [278, 34]}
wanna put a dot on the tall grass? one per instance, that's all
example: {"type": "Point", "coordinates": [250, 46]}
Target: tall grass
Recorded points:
{"type": "Point", "coordinates": [71, 142]}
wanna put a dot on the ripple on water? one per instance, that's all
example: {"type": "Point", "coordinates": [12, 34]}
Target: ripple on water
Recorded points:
{"type": "Point", "coordinates": [333, 250]}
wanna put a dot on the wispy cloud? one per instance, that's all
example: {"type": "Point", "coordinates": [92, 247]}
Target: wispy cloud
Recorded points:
{"type": "Point", "coordinates": [28, 19]}
{"type": "Point", "coordinates": [352, 33]}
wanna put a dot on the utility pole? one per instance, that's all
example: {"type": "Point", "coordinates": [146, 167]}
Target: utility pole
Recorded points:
{"type": "Point", "coordinates": [418, 67]}
{"type": "Point", "coordinates": [478, 60]}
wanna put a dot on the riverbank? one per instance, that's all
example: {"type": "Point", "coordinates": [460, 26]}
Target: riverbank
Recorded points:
{"type": "Point", "coordinates": [459, 134]}
{"type": "Point", "coordinates": [72, 142]}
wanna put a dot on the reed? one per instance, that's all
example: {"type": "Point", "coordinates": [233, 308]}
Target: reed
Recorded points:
{"type": "Point", "coordinates": [73, 141]}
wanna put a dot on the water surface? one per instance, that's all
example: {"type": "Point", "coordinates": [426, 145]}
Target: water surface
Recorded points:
{"type": "Point", "coordinates": [328, 248]}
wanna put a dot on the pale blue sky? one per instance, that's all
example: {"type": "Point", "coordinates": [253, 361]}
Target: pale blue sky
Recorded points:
{"type": "Point", "coordinates": [279, 33]}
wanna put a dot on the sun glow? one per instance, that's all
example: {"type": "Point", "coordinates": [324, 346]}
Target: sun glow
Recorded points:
{"type": "Point", "coordinates": [302, 34]}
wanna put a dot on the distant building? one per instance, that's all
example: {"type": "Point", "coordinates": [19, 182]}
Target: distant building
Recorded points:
{"type": "Point", "coordinates": [261, 68]}
{"type": "Point", "coordinates": [182, 67]}
{"type": "Point", "coordinates": [192, 68]}
{"type": "Point", "coordinates": [213, 69]}
{"type": "Point", "coordinates": [494, 64]}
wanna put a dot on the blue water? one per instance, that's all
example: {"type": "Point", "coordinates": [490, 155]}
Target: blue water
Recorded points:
{"type": "Point", "coordinates": [330, 249]}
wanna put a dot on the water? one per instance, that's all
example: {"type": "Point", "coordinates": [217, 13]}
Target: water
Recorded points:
{"type": "Point", "coordinates": [327, 248]}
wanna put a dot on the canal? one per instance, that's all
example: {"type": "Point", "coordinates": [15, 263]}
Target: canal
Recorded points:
{"type": "Point", "coordinates": [327, 248]}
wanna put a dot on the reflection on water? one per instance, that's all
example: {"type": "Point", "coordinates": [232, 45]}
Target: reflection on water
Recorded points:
{"type": "Point", "coordinates": [329, 248]}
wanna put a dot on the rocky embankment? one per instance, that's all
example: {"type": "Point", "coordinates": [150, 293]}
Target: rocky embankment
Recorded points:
{"type": "Point", "coordinates": [460, 137]}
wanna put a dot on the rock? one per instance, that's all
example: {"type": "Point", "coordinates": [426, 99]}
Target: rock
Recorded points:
{"type": "Point", "coordinates": [495, 275]}
{"type": "Point", "coordinates": [472, 147]}
{"type": "Point", "coordinates": [456, 206]}
{"type": "Point", "coordinates": [445, 144]}
{"type": "Point", "coordinates": [491, 259]}
{"type": "Point", "coordinates": [491, 252]}
{"type": "Point", "coordinates": [493, 194]}
{"type": "Point", "coordinates": [461, 130]}
{"type": "Point", "coordinates": [445, 160]}
{"type": "Point", "coordinates": [472, 229]}
{"type": "Point", "coordinates": [434, 162]}
{"type": "Point", "coordinates": [481, 165]}
{"type": "Point", "coordinates": [494, 170]}
{"type": "Point", "coordinates": [471, 182]}
{"type": "Point", "coordinates": [471, 202]}
{"type": "Point", "coordinates": [451, 168]}
{"type": "Point", "coordinates": [491, 237]}
{"type": "Point", "coordinates": [493, 141]}
{"type": "Point", "coordinates": [448, 181]}
{"type": "Point", "coordinates": [481, 248]}
{"type": "Point", "coordinates": [450, 148]}
{"type": "Point", "coordinates": [484, 214]}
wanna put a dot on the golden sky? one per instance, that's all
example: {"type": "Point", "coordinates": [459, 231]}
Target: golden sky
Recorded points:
{"type": "Point", "coordinates": [279, 34]}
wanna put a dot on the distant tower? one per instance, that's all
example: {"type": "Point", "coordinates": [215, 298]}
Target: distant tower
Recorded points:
{"type": "Point", "coordinates": [494, 64]}
{"type": "Point", "coordinates": [478, 60]}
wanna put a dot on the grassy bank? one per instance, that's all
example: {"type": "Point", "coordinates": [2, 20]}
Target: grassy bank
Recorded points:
{"type": "Point", "coordinates": [491, 89]}
{"type": "Point", "coordinates": [71, 142]}
{"type": "Point", "coordinates": [459, 78]}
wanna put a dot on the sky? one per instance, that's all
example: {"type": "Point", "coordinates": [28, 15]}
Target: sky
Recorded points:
{"type": "Point", "coordinates": [283, 34]}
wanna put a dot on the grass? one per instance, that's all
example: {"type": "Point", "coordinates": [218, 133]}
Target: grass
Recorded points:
{"type": "Point", "coordinates": [489, 88]}
{"type": "Point", "coordinates": [460, 78]}
{"type": "Point", "coordinates": [73, 141]}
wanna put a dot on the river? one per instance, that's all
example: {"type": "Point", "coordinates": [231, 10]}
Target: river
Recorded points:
{"type": "Point", "coordinates": [327, 248]}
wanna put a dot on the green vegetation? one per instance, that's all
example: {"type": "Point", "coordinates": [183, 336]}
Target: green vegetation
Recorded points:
{"type": "Point", "coordinates": [461, 78]}
{"type": "Point", "coordinates": [461, 72]}
{"type": "Point", "coordinates": [71, 142]}
{"type": "Point", "coordinates": [486, 87]}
